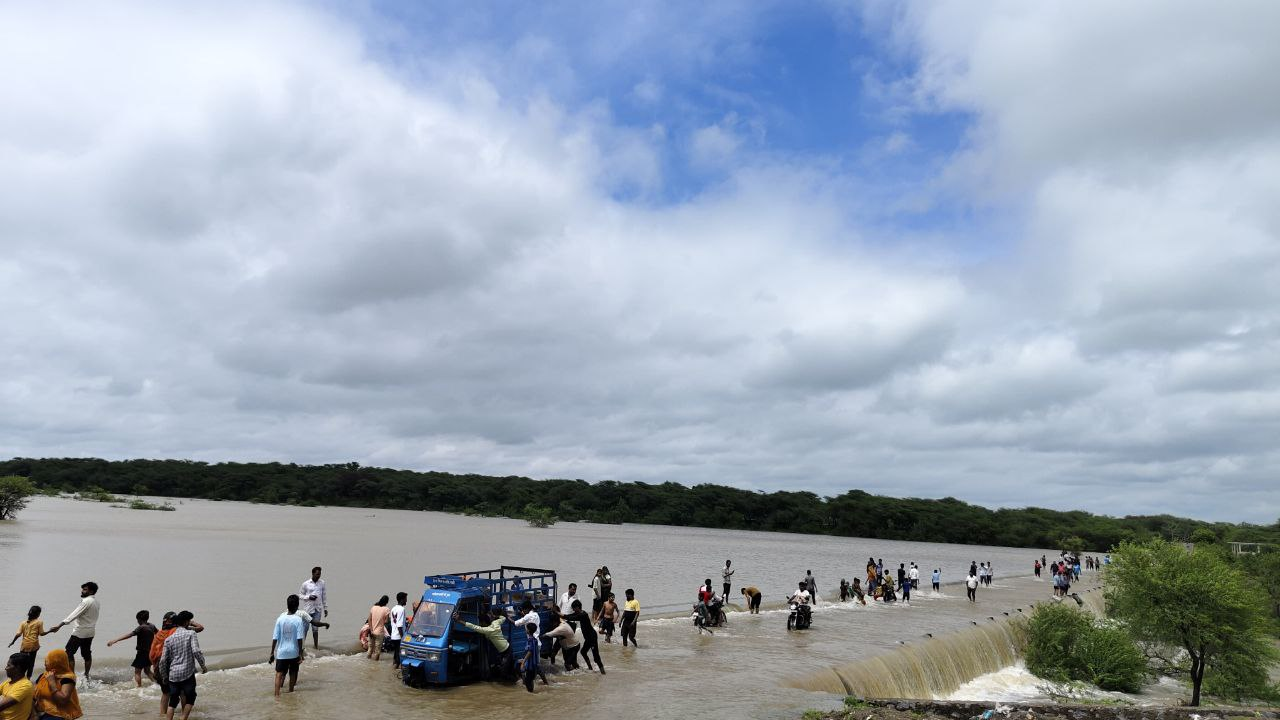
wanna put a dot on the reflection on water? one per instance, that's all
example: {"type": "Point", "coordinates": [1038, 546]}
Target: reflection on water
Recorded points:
{"type": "Point", "coordinates": [232, 564]}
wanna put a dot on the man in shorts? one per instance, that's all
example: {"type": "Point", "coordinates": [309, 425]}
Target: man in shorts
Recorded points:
{"type": "Point", "coordinates": [85, 617]}
{"type": "Point", "coordinates": [315, 604]}
{"type": "Point", "coordinates": [286, 644]}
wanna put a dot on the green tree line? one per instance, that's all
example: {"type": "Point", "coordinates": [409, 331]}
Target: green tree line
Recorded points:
{"type": "Point", "coordinates": [853, 514]}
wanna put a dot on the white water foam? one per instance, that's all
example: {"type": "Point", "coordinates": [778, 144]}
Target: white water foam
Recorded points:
{"type": "Point", "coordinates": [1016, 684]}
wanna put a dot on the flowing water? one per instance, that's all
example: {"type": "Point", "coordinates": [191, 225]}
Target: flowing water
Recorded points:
{"type": "Point", "coordinates": [232, 564]}
{"type": "Point", "coordinates": [1015, 683]}
{"type": "Point", "coordinates": [939, 666]}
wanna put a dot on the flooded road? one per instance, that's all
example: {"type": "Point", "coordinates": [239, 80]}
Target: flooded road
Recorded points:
{"type": "Point", "coordinates": [232, 564]}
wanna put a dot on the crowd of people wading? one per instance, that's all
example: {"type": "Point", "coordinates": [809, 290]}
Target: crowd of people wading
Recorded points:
{"type": "Point", "coordinates": [169, 655]}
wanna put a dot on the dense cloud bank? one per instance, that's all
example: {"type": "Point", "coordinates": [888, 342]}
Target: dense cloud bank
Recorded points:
{"type": "Point", "coordinates": [241, 232]}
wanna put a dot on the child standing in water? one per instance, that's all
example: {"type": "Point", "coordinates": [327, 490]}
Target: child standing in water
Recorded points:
{"type": "Point", "coordinates": [529, 666]}
{"type": "Point", "coordinates": [630, 614]}
{"type": "Point", "coordinates": [608, 617]}
{"type": "Point", "coordinates": [30, 632]}
{"type": "Point", "coordinates": [145, 632]}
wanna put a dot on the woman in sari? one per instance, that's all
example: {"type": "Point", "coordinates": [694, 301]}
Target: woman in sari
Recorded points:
{"type": "Point", "coordinates": [55, 691]}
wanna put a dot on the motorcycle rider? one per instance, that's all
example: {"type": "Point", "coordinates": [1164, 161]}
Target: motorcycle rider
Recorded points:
{"type": "Point", "coordinates": [705, 597]}
{"type": "Point", "coordinates": [800, 596]}
{"type": "Point", "coordinates": [799, 600]}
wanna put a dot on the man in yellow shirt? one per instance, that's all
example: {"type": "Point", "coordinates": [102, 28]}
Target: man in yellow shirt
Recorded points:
{"type": "Point", "coordinates": [16, 693]}
{"type": "Point", "coordinates": [630, 616]}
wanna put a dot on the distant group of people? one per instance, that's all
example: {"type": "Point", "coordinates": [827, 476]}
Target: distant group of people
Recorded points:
{"type": "Point", "coordinates": [1064, 570]}
{"type": "Point", "coordinates": [881, 584]}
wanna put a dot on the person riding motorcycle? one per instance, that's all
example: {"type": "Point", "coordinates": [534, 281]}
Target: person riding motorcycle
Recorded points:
{"type": "Point", "coordinates": [801, 596]}
{"type": "Point", "coordinates": [799, 602]}
{"type": "Point", "coordinates": [706, 598]}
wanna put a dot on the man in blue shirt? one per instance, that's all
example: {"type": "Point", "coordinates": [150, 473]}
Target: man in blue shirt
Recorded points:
{"type": "Point", "coordinates": [286, 644]}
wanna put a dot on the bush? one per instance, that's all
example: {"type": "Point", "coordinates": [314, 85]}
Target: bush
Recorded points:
{"type": "Point", "coordinates": [1110, 659]}
{"type": "Point", "coordinates": [1052, 634]}
{"type": "Point", "coordinates": [1065, 644]}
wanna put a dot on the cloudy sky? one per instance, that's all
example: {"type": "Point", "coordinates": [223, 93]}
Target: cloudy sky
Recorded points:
{"type": "Point", "coordinates": [1017, 253]}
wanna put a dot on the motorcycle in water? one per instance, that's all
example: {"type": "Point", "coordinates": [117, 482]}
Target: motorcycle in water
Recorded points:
{"type": "Point", "coordinates": [709, 616]}
{"type": "Point", "coordinates": [801, 617]}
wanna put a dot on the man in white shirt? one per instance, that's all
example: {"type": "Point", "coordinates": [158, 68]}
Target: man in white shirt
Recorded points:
{"type": "Point", "coordinates": [914, 575]}
{"type": "Point", "coordinates": [567, 598]}
{"type": "Point", "coordinates": [397, 626]}
{"type": "Point", "coordinates": [315, 604]}
{"type": "Point", "coordinates": [566, 602]}
{"type": "Point", "coordinates": [85, 617]}
{"type": "Point", "coordinates": [801, 596]}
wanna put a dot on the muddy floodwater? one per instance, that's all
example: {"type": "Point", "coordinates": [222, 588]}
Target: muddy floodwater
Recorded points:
{"type": "Point", "coordinates": [232, 564]}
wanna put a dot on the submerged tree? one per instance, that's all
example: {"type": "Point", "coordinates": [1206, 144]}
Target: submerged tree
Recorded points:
{"type": "Point", "coordinates": [14, 491]}
{"type": "Point", "coordinates": [1194, 600]}
{"type": "Point", "coordinates": [539, 516]}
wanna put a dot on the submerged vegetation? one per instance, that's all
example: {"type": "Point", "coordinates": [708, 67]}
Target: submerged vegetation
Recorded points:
{"type": "Point", "coordinates": [853, 514]}
{"type": "Point", "coordinates": [139, 504]}
{"type": "Point", "coordinates": [93, 493]}
{"type": "Point", "coordinates": [539, 517]}
{"type": "Point", "coordinates": [1066, 644]}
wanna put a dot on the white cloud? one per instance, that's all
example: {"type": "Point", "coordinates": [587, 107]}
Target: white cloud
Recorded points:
{"type": "Point", "coordinates": [231, 234]}
{"type": "Point", "coordinates": [1140, 142]}
{"type": "Point", "coordinates": [897, 142]}
{"type": "Point", "coordinates": [647, 91]}
{"type": "Point", "coordinates": [716, 145]}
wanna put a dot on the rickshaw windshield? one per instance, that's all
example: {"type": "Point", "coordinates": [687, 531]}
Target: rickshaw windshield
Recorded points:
{"type": "Point", "coordinates": [431, 619]}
